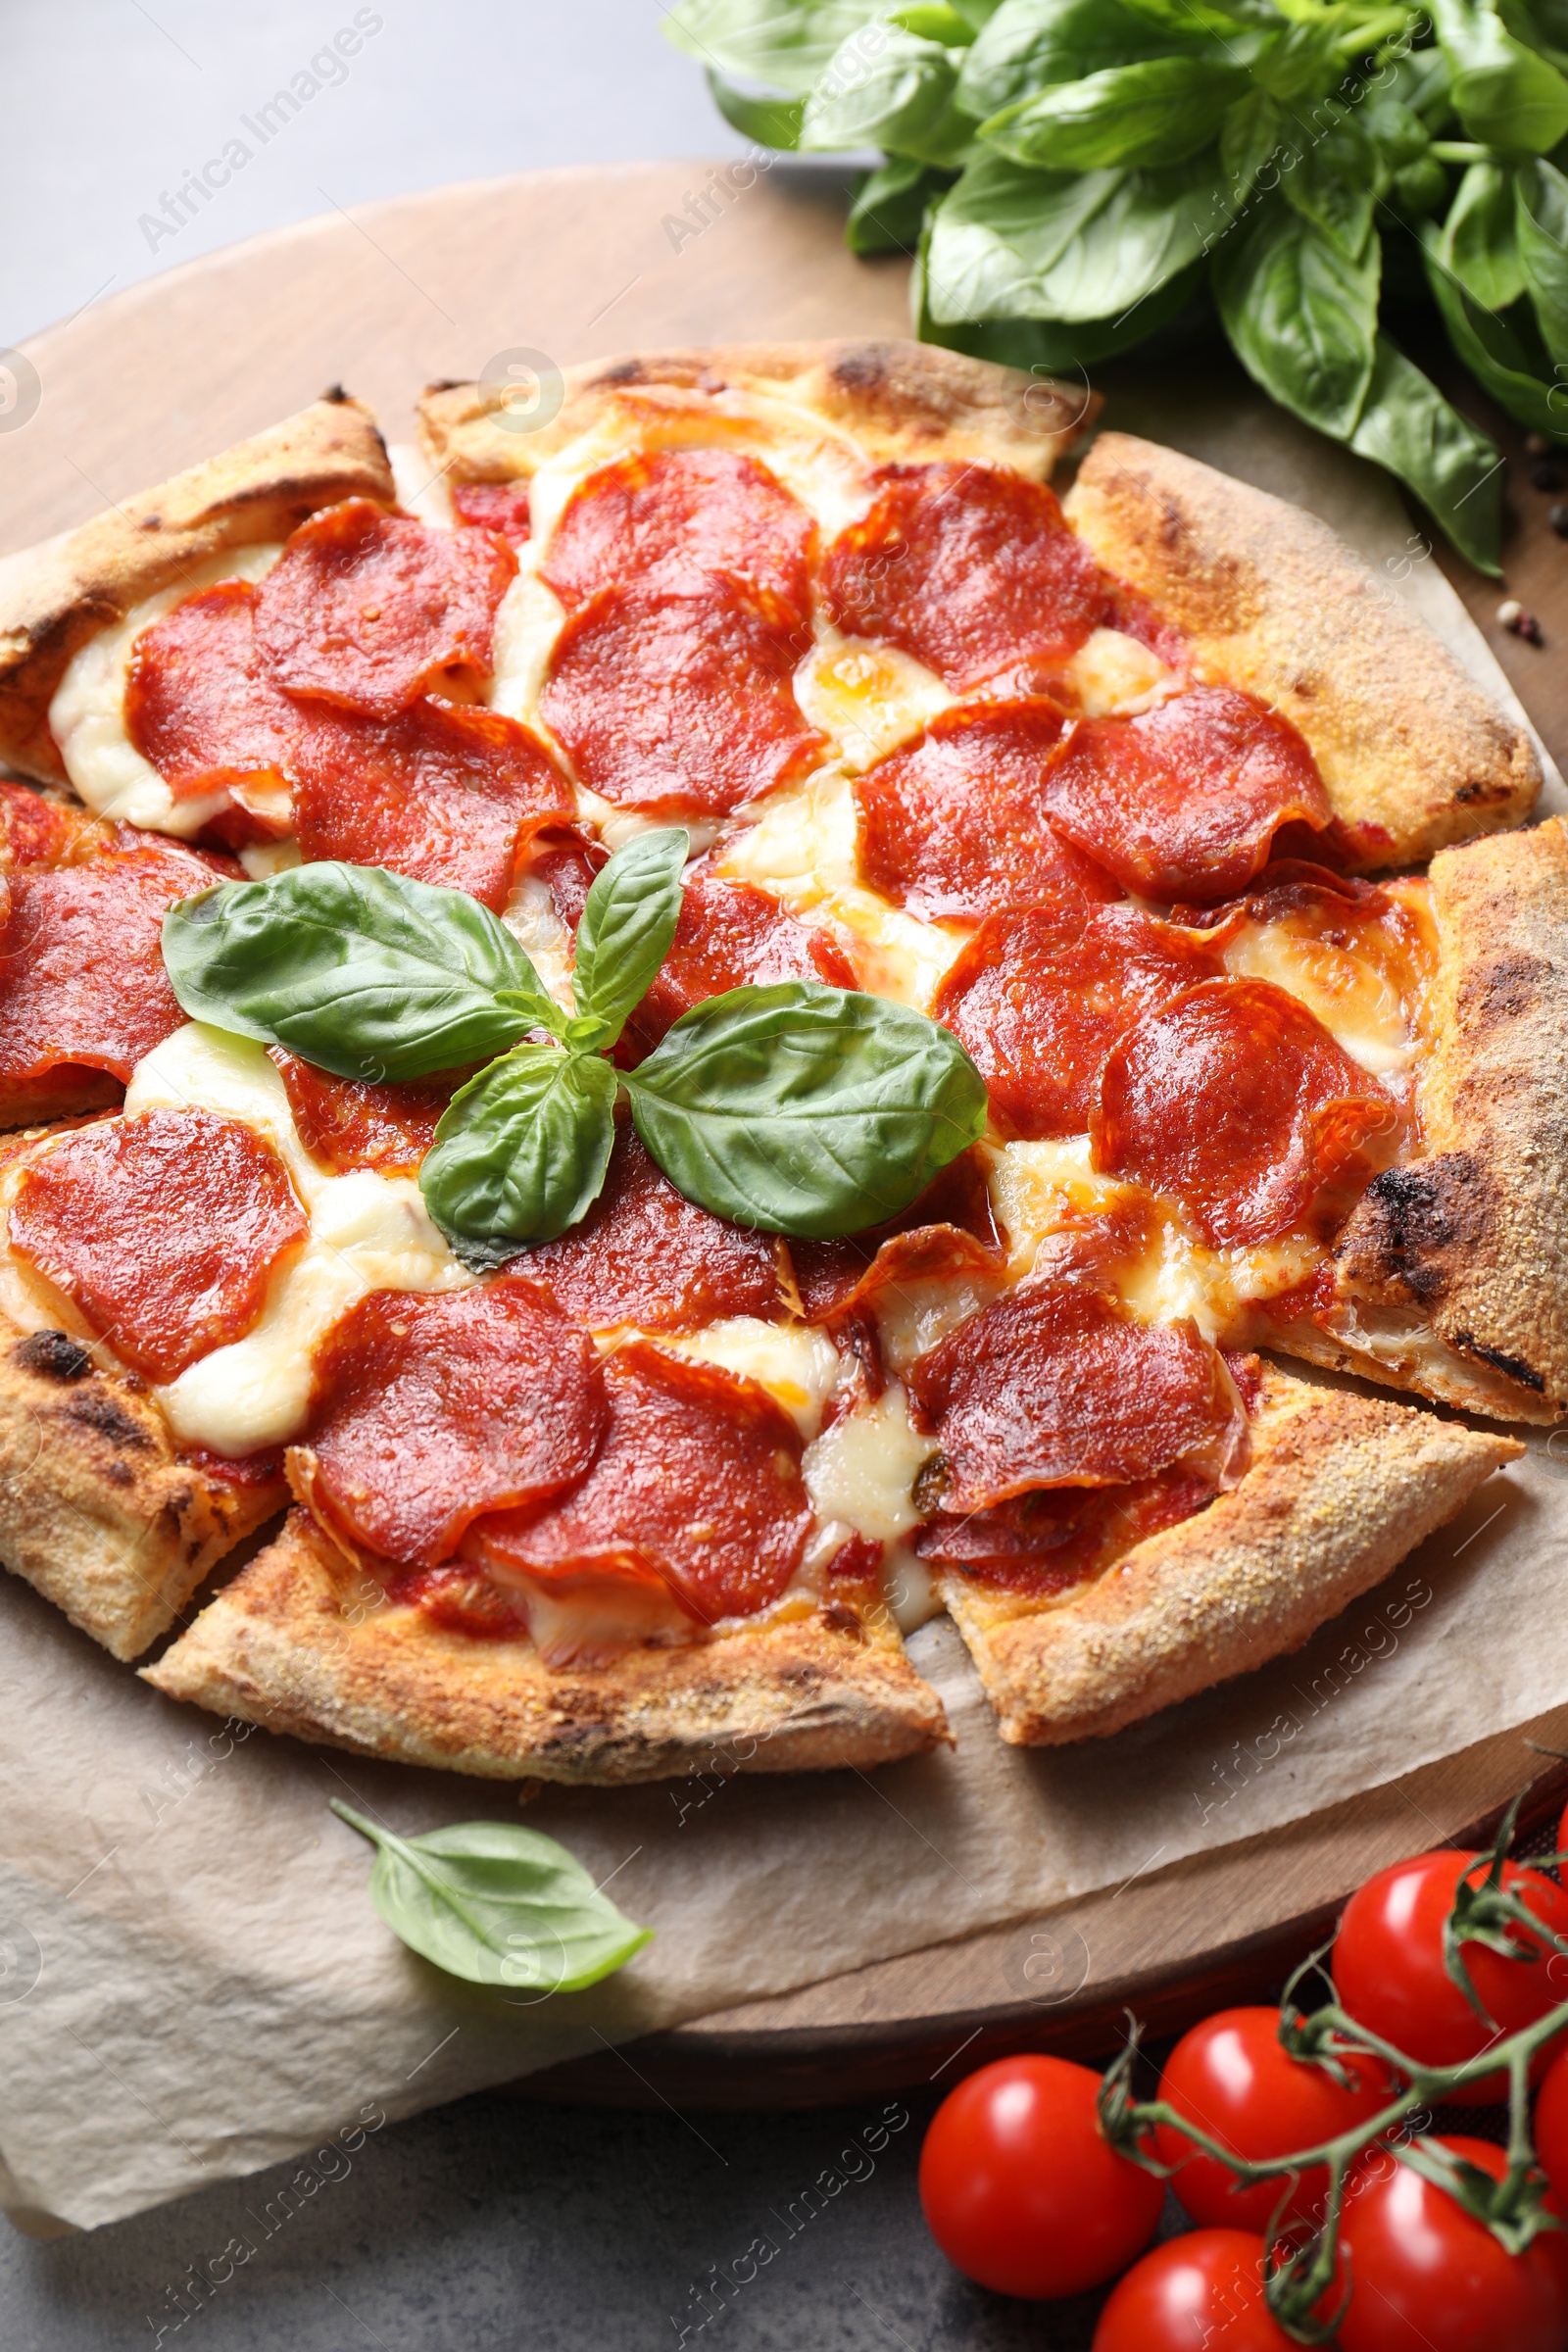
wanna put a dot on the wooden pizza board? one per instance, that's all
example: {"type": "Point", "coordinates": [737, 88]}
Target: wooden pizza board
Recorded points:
{"type": "Point", "coordinates": [570, 266]}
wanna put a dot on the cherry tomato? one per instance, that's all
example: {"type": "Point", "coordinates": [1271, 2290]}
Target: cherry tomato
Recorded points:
{"type": "Point", "coordinates": [1389, 1971]}
{"type": "Point", "coordinates": [1200, 2294]}
{"type": "Point", "coordinates": [1427, 2276]}
{"type": "Point", "coordinates": [1551, 2128]}
{"type": "Point", "coordinates": [1020, 2190]}
{"type": "Point", "coordinates": [1231, 2076]}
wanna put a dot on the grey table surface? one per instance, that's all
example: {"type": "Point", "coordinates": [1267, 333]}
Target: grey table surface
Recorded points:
{"type": "Point", "coordinates": [494, 2223]}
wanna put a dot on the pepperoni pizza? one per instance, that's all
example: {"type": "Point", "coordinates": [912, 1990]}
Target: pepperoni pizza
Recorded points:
{"type": "Point", "coordinates": [1128, 794]}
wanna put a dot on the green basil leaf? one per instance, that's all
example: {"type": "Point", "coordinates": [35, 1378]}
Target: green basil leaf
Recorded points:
{"type": "Point", "coordinates": [1050, 345]}
{"type": "Point", "coordinates": [770, 122]}
{"type": "Point", "coordinates": [805, 1110]}
{"type": "Point", "coordinates": [1406, 425]}
{"type": "Point", "coordinates": [886, 87]}
{"type": "Point", "coordinates": [1496, 356]}
{"type": "Point", "coordinates": [1393, 126]}
{"type": "Point", "coordinates": [1011, 243]}
{"type": "Point", "coordinates": [1223, 18]}
{"type": "Point", "coordinates": [497, 1904]}
{"type": "Point", "coordinates": [888, 209]}
{"type": "Point", "coordinates": [1507, 96]}
{"type": "Point", "coordinates": [1030, 44]}
{"type": "Point", "coordinates": [520, 1152]}
{"type": "Point", "coordinates": [1543, 217]}
{"type": "Point", "coordinates": [934, 21]}
{"type": "Point", "coordinates": [1158, 112]}
{"type": "Point", "coordinates": [627, 923]}
{"type": "Point", "coordinates": [1249, 135]}
{"type": "Point", "coordinates": [1303, 58]}
{"type": "Point", "coordinates": [783, 42]}
{"type": "Point", "coordinates": [1480, 245]}
{"type": "Point", "coordinates": [1334, 181]}
{"type": "Point", "coordinates": [361, 971]}
{"type": "Point", "coordinates": [1303, 318]}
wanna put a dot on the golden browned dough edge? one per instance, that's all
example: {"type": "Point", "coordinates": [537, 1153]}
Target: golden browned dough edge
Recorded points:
{"type": "Point", "coordinates": [1472, 1237]}
{"type": "Point", "coordinates": [1339, 1489]}
{"type": "Point", "coordinates": [56, 595]}
{"type": "Point", "coordinates": [908, 401]}
{"type": "Point", "coordinates": [1413, 754]}
{"type": "Point", "coordinates": [96, 1511]}
{"type": "Point", "coordinates": [300, 1643]}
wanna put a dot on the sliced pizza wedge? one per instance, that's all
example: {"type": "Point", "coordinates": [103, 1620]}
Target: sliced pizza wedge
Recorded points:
{"type": "Point", "coordinates": [1105, 1624]}
{"type": "Point", "coordinates": [1413, 754]}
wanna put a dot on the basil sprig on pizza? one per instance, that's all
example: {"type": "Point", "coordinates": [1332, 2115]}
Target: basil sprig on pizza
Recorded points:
{"type": "Point", "coordinates": [613, 1263]}
{"type": "Point", "coordinates": [797, 1109]}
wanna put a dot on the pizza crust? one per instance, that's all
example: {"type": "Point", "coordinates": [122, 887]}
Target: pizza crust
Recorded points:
{"type": "Point", "coordinates": [1471, 1238]}
{"type": "Point", "coordinates": [1341, 1488]}
{"type": "Point", "coordinates": [302, 1643]}
{"type": "Point", "coordinates": [1413, 754]}
{"type": "Point", "coordinates": [903, 401]}
{"type": "Point", "coordinates": [96, 1510]}
{"type": "Point", "coordinates": [54, 596]}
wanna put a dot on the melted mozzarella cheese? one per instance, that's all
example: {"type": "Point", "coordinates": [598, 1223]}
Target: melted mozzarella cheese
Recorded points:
{"type": "Point", "coordinates": [421, 489]}
{"type": "Point", "coordinates": [1112, 673]}
{"type": "Point", "coordinates": [802, 848]}
{"type": "Point", "coordinates": [528, 620]}
{"type": "Point", "coordinates": [794, 1362]}
{"type": "Point", "coordinates": [870, 698]}
{"type": "Point", "coordinates": [87, 716]}
{"type": "Point", "coordinates": [1358, 1005]}
{"type": "Point", "coordinates": [861, 1471]}
{"type": "Point", "coordinates": [531, 918]}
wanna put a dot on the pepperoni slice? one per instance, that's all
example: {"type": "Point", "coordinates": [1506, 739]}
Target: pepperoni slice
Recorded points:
{"type": "Point", "coordinates": [835, 1278]}
{"type": "Point", "coordinates": [699, 1478]}
{"type": "Point", "coordinates": [201, 705]}
{"type": "Point", "coordinates": [1058, 1536]}
{"type": "Point", "coordinates": [367, 610]}
{"type": "Point", "coordinates": [164, 1229]}
{"type": "Point", "coordinates": [1059, 1386]}
{"type": "Point", "coordinates": [444, 791]}
{"type": "Point", "coordinates": [1235, 1099]}
{"type": "Point", "coordinates": [82, 967]}
{"type": "Point", "coordinates": [970, 569]}
{"type": "Point", "coordinates": [1288, 887]}
{"type": "Point", "coordinates": [729, 934]}
{"type": "Point", "coordinates": [427, 1411]}
{"type": "Point", "coordinates": [344, 1124]}
{"type": "Point", "coordinates": [681, 702]}
{"type": "Point", "coordinates": [646, 1255]}
{"type": "Point", "coordinates": [37, 831]}
{"type": "Point", "coordinates": [1184, 801]}
{"type": "Point", "coordinates": [668, 514]}
{"type": "Point", "coordinates": [502, 507]}
{"type": "Point", "coordinates": [1041, 995]}
{"type": "Point", "coordinates": [956, 827]}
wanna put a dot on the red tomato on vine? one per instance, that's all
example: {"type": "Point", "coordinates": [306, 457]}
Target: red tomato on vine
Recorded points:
{"type": "Point", "coordinates": [1199, 2294]}
{"type": "Point", "coordinates": [1428, 2276]}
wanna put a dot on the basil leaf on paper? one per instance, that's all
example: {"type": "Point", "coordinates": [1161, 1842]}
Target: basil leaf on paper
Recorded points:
{"type": "Point", "coordinates": [806, 1109]}
{"type": "Point", "coordinates": [363, 973]}
{"type": "Point", "coordinates": [497, 1904]}
{"type": "Point", "coordinates": [1406, 425]}
{"type": "Point", "coordinates": [520, 1152]}
{"type": "Point", "coordinates": [1158, 111]}
{"type": "Point", "coordinates": [623, 937]}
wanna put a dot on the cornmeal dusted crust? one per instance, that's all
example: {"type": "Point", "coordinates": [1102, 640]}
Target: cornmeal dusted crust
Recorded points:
{"type": "Point", "coordinates": [1339, 1489]}
{"type": "Point", "coordinates": [1413, 754]}
{"type": "Point", "coordinates": [908, 402]}
{"type": "Point", "coordinates": [301, 1644]}
{"type": "Point", "coordinates": [1473, 1235]}
{"type": "Point", "coordinates": [56, 595]}
{"type": "Point", "coordinates": [96, 1511]}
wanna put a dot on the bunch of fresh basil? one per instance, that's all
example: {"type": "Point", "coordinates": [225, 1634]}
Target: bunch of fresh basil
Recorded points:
{"type": "Point", "coordinates": [798, 1109]}
{"type": "Point", "coordinates": [1072, 172]}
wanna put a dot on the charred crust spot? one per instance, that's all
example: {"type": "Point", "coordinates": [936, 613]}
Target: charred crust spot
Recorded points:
{"type": "Point", "coordinates": [452, 383]}
{"type": "Point", "coordinates": [336, 395]}
{"type": "Point", "coordinates": [1503, 990]}
{"type": "Point", "coordinates": [625, 372]}
{"type": "Point", "coordinates": [110, 1422]}
{"type": "Point", "coordinates": [52, 1355]}
{"type": "Point", "coordinates": [1478, 793]}
{"type": "Point", "coordinates": [1512, 1367]}
{"type": "Point", "coordinates": [859, 370]}
{"type": "Point", "coordinates": [150, 522]}
{"type": "Point", "coordinates": [1408, 1220]}
{"type": "Point", "coordinates": [838, 1618]}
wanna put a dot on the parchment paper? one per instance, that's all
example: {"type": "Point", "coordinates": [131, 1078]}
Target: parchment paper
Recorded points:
{"type": "Point", "coordinates": [192, 1982]}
